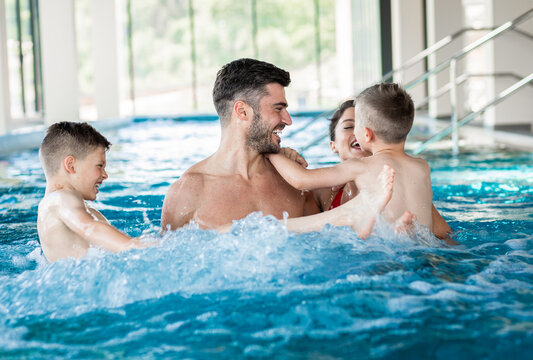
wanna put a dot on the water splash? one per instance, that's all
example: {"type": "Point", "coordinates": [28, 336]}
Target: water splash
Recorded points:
{"type": "Point", "coordinates": [257, 254]}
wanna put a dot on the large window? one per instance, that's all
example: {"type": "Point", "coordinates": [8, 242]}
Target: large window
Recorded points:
{"type": "Point", "coordinates": [174, 48]}
{"type": "Point", "coordinates": [22, 19]}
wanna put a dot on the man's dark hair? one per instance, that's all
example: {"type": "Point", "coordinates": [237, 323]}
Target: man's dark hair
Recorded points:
{"type": "Point", "coordinates": [337, 115]}
{"type": "Point", "coordinates": [244, 79]}
{"type": "Point", "coordinates": [69, 138]}
{"type": "Point", "coordinates": [386, 109]}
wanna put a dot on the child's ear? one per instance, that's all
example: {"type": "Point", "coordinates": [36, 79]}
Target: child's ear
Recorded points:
{"type": "Point", "coordinates": [333, 147]}
{"type": "Point", "coordinates": [242, 110]}
{"type": "Point", "coordinates": [68, 164]}
{"type": "Point", "coordinates": [369, 134]}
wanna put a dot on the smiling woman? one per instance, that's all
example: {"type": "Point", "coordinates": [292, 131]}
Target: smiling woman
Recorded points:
{"type": "Point", "coordinates": [345, 145]}
{"type": "Point", "coordinates": [341, 131]}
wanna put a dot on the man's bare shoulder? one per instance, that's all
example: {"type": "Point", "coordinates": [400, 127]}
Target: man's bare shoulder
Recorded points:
{"type": "Point", "coordinates": [192, 179]}
{"type": "Point", "coordinates": [183, 197]}
{"type": "Point", "coordinates": [195, 177]}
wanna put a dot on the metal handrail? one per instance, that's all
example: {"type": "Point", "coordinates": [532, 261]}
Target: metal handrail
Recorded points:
{"type": "Point", "coordinates": [452, 62]}
{"type": "Point", "coordinates": [412, 61]}
{"type": "Point", "coordinates": [322, 115]}
{"type": "Point", "coordinates": [487, 37]}
{"type": "Point", "coordinates": [317, 140]}
{"type": "Point", "coordinates": [431, 50]}
{"type": "Point", "coordinates": [440, 44]}
{"type": "Point", "coordinates": [465, 120]}
{"type": "Point", "coordinates": [461, 79]}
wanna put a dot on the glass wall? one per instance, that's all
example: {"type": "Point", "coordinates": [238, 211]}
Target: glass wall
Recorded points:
{"type": "Point", "coordinates": [300, 37]}
{"type": "Point", "coordinates": [177, 47]}
{"type": "Point", "coordinates": [223, 32]}
{"type": "Point", "coordinates": [171, 51]}
{"type": "Point", "coordinates": [23, 59]}
{"type": "Point", "coordinates": [162, 68]}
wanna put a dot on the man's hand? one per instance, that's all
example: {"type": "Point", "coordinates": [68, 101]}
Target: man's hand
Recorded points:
{"type": "Point", "coordinates": [293, 155]}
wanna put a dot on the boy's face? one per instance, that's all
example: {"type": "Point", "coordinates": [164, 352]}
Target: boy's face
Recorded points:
{"type": "Point", "coordinates": [90, 173]}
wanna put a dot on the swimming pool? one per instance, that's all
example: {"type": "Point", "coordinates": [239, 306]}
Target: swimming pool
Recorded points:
{"type": "Point", "coordinates": [260, 291]}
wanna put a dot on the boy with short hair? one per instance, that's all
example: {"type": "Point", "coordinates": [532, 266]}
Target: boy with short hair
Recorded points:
{"type": "Point", "coordinates": [384, 115]}
{"type": "Point", "coordinates": [73, 156]}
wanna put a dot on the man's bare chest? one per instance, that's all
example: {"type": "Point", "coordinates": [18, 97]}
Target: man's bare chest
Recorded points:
{"type": "Point", "coordinates": [225, 201]}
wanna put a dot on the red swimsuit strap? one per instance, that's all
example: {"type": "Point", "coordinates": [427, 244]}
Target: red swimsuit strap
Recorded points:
{"type": "Point", "coordinates": [337, 200]}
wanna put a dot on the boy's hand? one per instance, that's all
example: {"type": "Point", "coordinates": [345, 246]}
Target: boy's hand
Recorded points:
{"type": "Point", "coordinates": [336, 188]}
{"type": "Point", "coordinates": [293, 155]}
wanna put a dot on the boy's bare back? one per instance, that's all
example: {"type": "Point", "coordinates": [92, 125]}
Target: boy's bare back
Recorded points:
{"type": "Point", "coordinates": [384, 115]}
{"type": "Point", "coordinates": [412, 185]}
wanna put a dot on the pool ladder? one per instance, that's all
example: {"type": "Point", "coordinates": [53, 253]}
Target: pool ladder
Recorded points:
{"type": "Point", "coordinates": [451, 87]}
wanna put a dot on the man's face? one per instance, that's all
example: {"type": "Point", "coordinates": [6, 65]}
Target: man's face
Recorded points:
{"type": "Point", "coordinates": [269, 120]}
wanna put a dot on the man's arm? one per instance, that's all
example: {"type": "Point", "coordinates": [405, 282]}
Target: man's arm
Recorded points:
{"type": "Point", "coordinates": [310, 179]}
{"type": "Point", "coordinates": [73, 213]}
{"type": "Point", "coordinates": [181, 202]}
{"type": "Point", "coordinates": [340, 216]}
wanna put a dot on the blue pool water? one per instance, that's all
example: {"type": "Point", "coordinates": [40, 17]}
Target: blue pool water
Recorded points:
{"type": "Point", "coordinates": [260, 291]}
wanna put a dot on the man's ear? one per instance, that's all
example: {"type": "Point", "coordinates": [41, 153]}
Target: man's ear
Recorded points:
{"type": "Point", "coordinates": [333, 147]}
{"type": "Point", "coordinates": [369, 134]}
{"type": "Point", "coordinates": [242, 110]}
{"type": "Point", "coordinates": [69, 164]}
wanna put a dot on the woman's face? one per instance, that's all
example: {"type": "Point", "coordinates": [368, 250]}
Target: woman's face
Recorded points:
{"type": "Point", "coordinates": [345, 143]}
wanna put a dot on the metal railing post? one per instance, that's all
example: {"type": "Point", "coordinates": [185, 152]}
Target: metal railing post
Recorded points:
{"type": "Point", "coordinates": [453, 104]}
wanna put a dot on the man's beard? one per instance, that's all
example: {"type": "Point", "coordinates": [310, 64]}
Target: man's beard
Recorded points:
{"type": "Point", "coordinates": [259, 137]}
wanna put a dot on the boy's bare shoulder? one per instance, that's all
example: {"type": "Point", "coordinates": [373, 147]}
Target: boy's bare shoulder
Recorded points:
{"type": "Point", "coordinates": [62, 197]}
{"type": "Point", "coordinates": [421, 162]}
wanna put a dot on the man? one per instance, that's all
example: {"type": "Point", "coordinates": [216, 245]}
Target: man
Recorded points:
{"type": "Point", "coordinates": [249, 97]}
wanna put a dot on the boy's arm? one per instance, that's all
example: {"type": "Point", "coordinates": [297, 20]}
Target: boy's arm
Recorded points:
{"type": "Point", "coordinates": [310, 179]}
{"type": "Point", "coordinates": [73, 213]}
